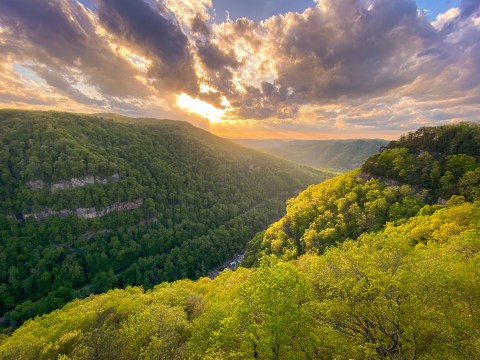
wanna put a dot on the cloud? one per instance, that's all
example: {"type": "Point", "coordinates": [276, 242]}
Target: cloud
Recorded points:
{"type": "Point", "coordinates": [214, 58]}
{"type": "Point", "coordinates": [61, 35]}
{"type": "Point", "coordinates": [469, 8]}
{"type": "Point", "coordinates": [445, 18]}
{"type": "Point", "coordinates": [148, 31]}
{"type": "Point", "coordinates": [345, 65]}
{"type": "Point", "coordinates": [340, 49]}
{"type": "Point", "coordinates": [346, 52]}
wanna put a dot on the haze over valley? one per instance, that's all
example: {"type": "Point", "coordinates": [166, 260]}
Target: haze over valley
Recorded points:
{"type": "Point", "coordinates": [226, 179]}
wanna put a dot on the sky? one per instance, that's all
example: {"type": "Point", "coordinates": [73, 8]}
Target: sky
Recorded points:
{"type": "Point", "coordinates": [299, 69]}
{"type": "Point", "coordinates": [260, 10]}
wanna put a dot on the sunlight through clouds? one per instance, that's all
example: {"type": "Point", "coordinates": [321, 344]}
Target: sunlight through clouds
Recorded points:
{"type": "Point", "coordinates": [290, 69]}
{"type": "Point", "coordinates": [199, 107]}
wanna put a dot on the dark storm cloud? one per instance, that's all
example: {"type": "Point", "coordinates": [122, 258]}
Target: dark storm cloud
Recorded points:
{"type": "Point", "coordinates": [214, 58]}
{"type": "Point", "coordinates": [147, 30]}
{"type": "Point", "coordinates": [41, 22]}
{"type": "Point", "coordinates": [199, 26]}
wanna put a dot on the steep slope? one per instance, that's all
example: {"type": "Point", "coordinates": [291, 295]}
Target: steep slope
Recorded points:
{"type": "Point", "coordinates": [334, 154]}
{"type": "Point", "coordinates": [89, 204]}
{"type": "Point", "coordinates": [410, 291]}
{"type": "Point", "coordinates": [391, 186]}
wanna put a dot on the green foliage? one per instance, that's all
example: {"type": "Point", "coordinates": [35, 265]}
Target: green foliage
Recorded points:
{"type": "Point", "coordinates": [203, 198]}
{"type": "Point", "coordinates": [390, 187]}
{"type": "Point", "coordinates": [444, 160]}
{"type": "Point", "coordinates": [409, 291]}
{"type": "Point", "coordinates": [332, 212]}
{"type": "Point", "coordinates": [270, 318]}
{"type": "Point", "coordinates": [407, 285]}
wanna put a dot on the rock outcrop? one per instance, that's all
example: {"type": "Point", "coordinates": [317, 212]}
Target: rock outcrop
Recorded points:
{"type": "Point", "coordinates": [86, 213]}
{"type": "Point", "coordinates": [35, 184]}
{"type": "Point", "coordinates": [73, 182]}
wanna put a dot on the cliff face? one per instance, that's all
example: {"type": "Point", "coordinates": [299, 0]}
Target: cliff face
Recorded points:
{"type": "Point", "coordinates": [72, 183]}
{"type": "Point", "coordinates": [86, 213]}
{"type": "Point", "coordinates": [82, 212]}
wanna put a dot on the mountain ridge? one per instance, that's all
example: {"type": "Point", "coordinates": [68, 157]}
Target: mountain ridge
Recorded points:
{"type": "Point", "coordinates": [391, 185]}
{"type": "Point", "coordinates": [330, 154]}
{"type": "Point", "coordinates": [365, 266]}
{"type": "Point", "coordinates": [100, 203]}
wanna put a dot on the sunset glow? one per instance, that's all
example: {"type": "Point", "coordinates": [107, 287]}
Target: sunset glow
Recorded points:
{"type": "Point", "coordinates": [199, 107]}
{"type": "Point", "coordinates": [303, 69]}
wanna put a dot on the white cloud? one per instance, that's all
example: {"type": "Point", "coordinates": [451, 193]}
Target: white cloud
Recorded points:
{"type": "Point", "coordinates": [445, 17]}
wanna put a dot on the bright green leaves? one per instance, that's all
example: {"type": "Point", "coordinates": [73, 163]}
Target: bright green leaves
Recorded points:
{"type": "Point", "coordinates": [409, 291]}
{"type": "Point", "coordinates": [448, 278]}
{"type": "Point", "coordinates": [269, 316]}
{"type": "Point", "coordinates": [157, 332]}
{"type": "Point", "coordinates": [273, 312]}
{"type": "Point", "coordinates": [335, 210]}
{"type": "Point", "coordinates": [362, 297]}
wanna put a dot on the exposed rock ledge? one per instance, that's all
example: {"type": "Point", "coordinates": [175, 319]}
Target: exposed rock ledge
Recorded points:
{"type": "Point", "coordinates": [72, 183]}
{"type": "Point", "coordinates": [35, 184]}
{"type": "Point", "coordinates": [86, 213]}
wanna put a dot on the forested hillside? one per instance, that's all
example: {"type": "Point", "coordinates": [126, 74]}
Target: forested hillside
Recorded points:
{"type": "Point", "coordinates": [424, 167]}
{"type": "Point", "coordinates": [330, 154]}
{"type": "Point", "coordinates": [411, 291]}
{"type": "Point", "coordinates": [444, 160]}
{"type": "Point", "coordinates": [89, 204]}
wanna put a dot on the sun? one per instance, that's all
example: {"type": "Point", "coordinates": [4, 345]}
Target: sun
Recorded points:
{"type": "Point", "coordinates": [200, 107]}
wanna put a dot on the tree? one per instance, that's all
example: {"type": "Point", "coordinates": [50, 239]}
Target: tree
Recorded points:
{"type": "Point", "coordinates": [273, 313]}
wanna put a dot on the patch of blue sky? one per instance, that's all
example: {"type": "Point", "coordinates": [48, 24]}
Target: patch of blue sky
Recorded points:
{"type": "Point", "coordinates": [434, 7]}
{"type": "Point", "coordinates": [28, 74]}
{"type": "Point", "coordinates": [257, 9]}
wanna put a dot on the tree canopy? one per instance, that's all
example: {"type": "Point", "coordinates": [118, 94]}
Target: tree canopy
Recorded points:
{"type": "Point", "coordinates": [90, 204]}
{"type": "Point", "coordinates": [390, 186]}
{"type": "Point", "coordinates": [411, 290]}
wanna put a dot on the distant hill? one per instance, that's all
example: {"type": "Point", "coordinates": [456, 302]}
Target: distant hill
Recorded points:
{"type": "Point", "coordinates": [335, 154]}
{"type": "Point", "coordinates": [89, 204]}
{"type": "Point", "coordinates": [261, 144]}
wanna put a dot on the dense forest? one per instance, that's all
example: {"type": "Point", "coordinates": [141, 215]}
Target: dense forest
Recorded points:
{"type": "Point", "coordinates": [444, 160]}
{"type": "Point", "coordinates": [424, 167]}
{"type": "Point", "coordinates": [410, 291]}
{"type": "Point", "coordinates": [90, 204]}
{"type": "Point", "coordinates": [368, 265]}
{"type": "Point", "coordinates": [341, 155]}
